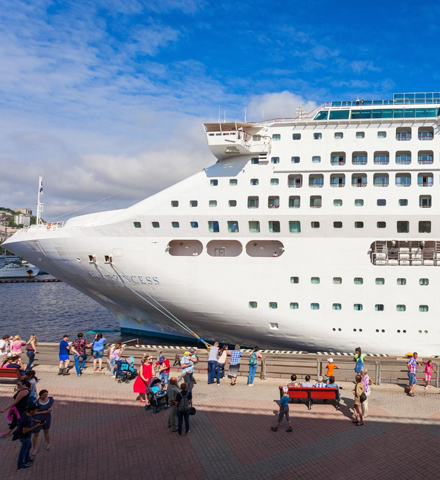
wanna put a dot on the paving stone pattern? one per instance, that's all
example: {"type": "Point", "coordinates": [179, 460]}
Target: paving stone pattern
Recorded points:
{"type": "Point", "coordinates": [100, 431]}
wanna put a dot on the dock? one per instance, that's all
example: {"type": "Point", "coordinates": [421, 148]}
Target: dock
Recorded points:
{"type": "Point", "coordinates": [29, 280]}
{"type": "Point", "coordinates": [100, 430]}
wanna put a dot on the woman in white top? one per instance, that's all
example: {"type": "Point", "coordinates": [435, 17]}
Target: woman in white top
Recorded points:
{"type": "Point", "coordinates": [220, 370]}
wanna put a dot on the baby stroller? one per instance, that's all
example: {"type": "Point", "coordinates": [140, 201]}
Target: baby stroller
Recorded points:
{"type": "Point", "coordinates": [126, 371]}
{"type": "Point", "coordinates": [156, 395]}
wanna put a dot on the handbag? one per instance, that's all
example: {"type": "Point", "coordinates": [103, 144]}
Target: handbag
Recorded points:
{"type": "Point", "coordinates": [29, 347]}
{"type": "Point", "coordinates": [363, 397]}
{"type": "Point", "coordinates": [15, 434]}
{"type": "Point", "coordinates": [192, 411]}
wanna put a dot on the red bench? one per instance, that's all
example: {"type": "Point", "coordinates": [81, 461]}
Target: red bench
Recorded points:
{"type": "Point", "coordinates": [309, 394]}
{"type": "Point", "coordinates": [10, 373]}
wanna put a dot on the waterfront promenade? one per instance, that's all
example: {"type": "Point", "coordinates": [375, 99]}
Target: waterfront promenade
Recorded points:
{"type": "Point", "coordinates": [100, 431]}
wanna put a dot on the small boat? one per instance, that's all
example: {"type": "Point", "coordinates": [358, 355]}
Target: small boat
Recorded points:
{"type": "Point", "coordinates": [19, 270]}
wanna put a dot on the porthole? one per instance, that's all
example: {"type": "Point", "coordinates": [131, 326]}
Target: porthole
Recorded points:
{"type": "Point", "coordinates": [398, 331]}
{"type": "Point", "coordinates": [137, 224]}
{"type": "Point", "coordinates": [334, 329]}
{"type": "Point", "coordinates": [339, 329]}
{"type": "Point", "coordinates": [360, 329]}
{"type": "Point", "coordinates": [354, 330]}
{"type": "Point", "coordinates": [377, 330]}
{"type": "Point", "coordinates": [383, 331]}
{"type": "Point", "coordinates": [404, 331]}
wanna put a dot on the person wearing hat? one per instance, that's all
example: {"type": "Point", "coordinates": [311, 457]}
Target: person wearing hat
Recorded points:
{"type": "Point", "coordinates": [284, 411]}
{"type": "Point", "coordinates": [187, 363]}
{"type": "Point", "coordinates": [330, 369]}
{"type": "Point", "coordinates": [163, 368]}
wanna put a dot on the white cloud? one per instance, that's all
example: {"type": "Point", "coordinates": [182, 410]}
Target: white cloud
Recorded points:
{"type": "Point", "coordinates": [277, 105]}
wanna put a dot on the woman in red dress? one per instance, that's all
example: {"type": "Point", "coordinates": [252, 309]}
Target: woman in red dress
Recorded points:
{"type": "Point", "coordinates": [146, 373]}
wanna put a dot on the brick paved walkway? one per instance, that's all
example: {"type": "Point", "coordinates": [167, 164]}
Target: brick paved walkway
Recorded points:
{"type": "Point", "coordinates": [99, 431]}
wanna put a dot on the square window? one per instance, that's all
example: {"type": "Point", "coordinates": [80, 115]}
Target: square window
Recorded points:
{"type": "Point", "coordinates": [339, 135]}
{"type": "Point", "coordinates": [425, 201]}
{"type": "Point", "coordinates": [380, 281]}
{"type": "Point", "coordinates": [379, 307]}
{"type": "Point", "coordinates": [155, 224]}
{"type": "Point", "coordinates": [175, 224]}
{"type": "Point", "coordinates": [337, 224]}
{"type": "Point", "coordinates": [275, 160]}
{"type": "Point", "coordinates": [194, 224]}
{"type": "Point", "coordinates": [294, 305]}
{"type": "Point", "coordinates": [193, 203]}
{"type": "Point", "coordinates": [212, 203]}
{"type": "Point", "coordinates": [316, 159]}
{"type": "Point", "coordinates": [360, 134]}
{"type": "Point", "coordinates": [424, 226]}
{"type": "Point", "coordinates": [254, 226]}
{"type": "Point", "coordinates": [358, 307]}
{"type": "Point", "coordinates": [315, 201]}
{"type": "Point", "coordinates": [337, 306]}
{"type": "Point", "coordinates": [276, 137]}
{"type": "Point", "coordinates": [294, 279]}
{"type": "Point", "coordinates": [358, 224]}
{"type": "Point", "coordinates": [337, 202]}
{"type": "Point", "coordinates": [273, 305]}
{"type": "Point", "coordinates": [401, 281]}
{"type": "Point", "coordinates": [274, 226]}
{"type": "Point", "coordinates": [273, 326]}
{"type": "Point", "coordinates": [295, 226]}
{"type": "Point", "coordinates": [381, 224]}
{"type": "Point", "coordinates": [424, 281]}
{"type": "Point", "coordinates": [295, 159]}
{"type": "Point", "coordinates": [253, 304]}
{"type": "Point", "coordinates": [337, 280]}
{"type": "Point", "coordinates": [294, 202]}
{"type": "Point", "coordinates": [254, 181]}
{"type": "Point", "coordinates": [255, 161]}
{"type": "Point", "coordinates": [232, 203]}
{"type": "Point", "coordinates": [317, 136]}
{"type": "Point", "coordinates": [296, 136]}
{"type": "Point", "coordinates": [403, 202]}
{"type": "Point", "coordinates": [358, 281]}
{"type": "Point", "coordinates": [233, 226]}
{"type": "Point", "coordinates": [253, 202]}
{"type": "Point", "coordinates": [423, 308]}
{"type": "Point", "coordinates": [359, 202]}
{"type": "Point", "coordinates": [214, 183]}
{"type": "Point", "coordinates": [381, 202]}
{"type": "Point", "coordinates": [315, 280]}
{"type": "Point", "coordinates": [233, 182]}
{"type": "Point", "coordinates": [137, 224]}
{"type": "Point", "coordinates": [402, 226]}
{"type": "Point", "coordinates": [314, 306]}
{"type": "Point", "coordinates": [400, 308]}
{"type": "Point", "coordinates": [315, 224]}
{"type": "Point", "coordinates": [274, 181]}
{"type": "Point", "coordinates": [213, 226]}
{"type": "Point", "coordinates": [381, 134]}
{"type": "Point", "coordinates": [174, 203]}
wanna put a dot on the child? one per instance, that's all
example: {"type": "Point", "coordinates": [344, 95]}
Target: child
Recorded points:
{"type": "Point", "coordinates": [330, 369]}
{"type": "Point", "coordinates": [429, 368]}
{"type": "Point", "coordinates": [284, 410]}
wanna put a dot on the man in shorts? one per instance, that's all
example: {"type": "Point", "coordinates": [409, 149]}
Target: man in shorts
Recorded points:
{"type": "Point", "coordinates": [64, 356]}
{"type": "Point", "coordinates": [412, 372]}
{"type": "Point", "coordinates": [284, 411]}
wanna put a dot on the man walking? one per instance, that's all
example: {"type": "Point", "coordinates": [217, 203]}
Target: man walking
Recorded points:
{"type": "Point", "coordinates": [172, 391]}
{"type": "Point", "coordinates": [79, 353]}
{"type": "Point", "coordinates": [64, 356]}
{"type": "Point", "coordinates": [412, 372]}
{"type": "Point", "coordinates": [212, 362]}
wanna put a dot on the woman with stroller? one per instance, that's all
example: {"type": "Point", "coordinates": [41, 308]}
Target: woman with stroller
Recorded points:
{"type": "Point", "coordinates": [146, 373]}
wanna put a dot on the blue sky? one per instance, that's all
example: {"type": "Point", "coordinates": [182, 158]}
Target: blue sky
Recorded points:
{"type": "Point", "coordinates": [107, 96]}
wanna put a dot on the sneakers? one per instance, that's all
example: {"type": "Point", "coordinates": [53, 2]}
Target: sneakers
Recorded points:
{"type": "Point", "coordinates": [179, 435]}
{"type": "Point", "coordinates": [274, 429]}
{"type": "Point", "coordinates": [289, 429]}
{"type": "Point", "coordinates": [250, 384]}
{"type": "Point", "coordinates": [28, 465]}
{"type": "Point", "coordinates": [48, 446]}
{"type": "Point", "coordinates": [188, 432]}
{"type": "Point", "coordinates": [34, 452]}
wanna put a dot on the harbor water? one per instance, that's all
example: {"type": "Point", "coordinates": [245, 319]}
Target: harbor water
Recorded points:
{"type": "Point", "coordinates": [51, 310]}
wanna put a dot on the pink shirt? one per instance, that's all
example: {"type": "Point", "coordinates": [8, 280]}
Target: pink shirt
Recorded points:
{"type": "Point", "coordinates": [16, 346]}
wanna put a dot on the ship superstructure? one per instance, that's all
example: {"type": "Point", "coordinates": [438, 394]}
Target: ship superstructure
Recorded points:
{"type": "Point", "coordinates": [316, 232]}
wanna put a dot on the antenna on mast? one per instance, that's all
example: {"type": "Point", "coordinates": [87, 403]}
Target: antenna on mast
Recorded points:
{"type": "Point", "coordinates": [39, 204]}
{"type": "Point", "coordinates": [300, 111]}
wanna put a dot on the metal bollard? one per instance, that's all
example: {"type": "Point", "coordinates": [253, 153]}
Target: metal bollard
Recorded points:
{"type": "Point", "coordinates": [263, 369]}
{"type": "Point", "coordinates": [377, 373]}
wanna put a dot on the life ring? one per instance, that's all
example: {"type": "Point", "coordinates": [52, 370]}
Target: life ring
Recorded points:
{"type": "Point", "coordinates": [49, 225]}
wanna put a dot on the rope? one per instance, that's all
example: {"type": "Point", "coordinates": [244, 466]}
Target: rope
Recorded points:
{"type": "Point", "coordinates": [160, 308]}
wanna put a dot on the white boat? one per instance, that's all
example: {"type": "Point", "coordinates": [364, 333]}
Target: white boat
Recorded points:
{"type": "Point", "coordinates": [316, 233]}
{"type": "Point", "coordinates": [18, 270]}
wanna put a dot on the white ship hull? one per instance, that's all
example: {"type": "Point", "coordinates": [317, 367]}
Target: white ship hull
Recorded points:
{"type": "Point", "coordinates": [285, 286]}
{"type": "Point", "coordinates": [12, 270]}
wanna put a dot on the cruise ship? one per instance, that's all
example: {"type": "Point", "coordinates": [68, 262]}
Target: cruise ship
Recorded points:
{"type": "Point", "coordinates": [315, 233]}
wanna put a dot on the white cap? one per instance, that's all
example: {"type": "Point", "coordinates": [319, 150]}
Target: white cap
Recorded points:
{"type": "Point", "coordinates": [285, 389]}
{"type": "Point", "coordinates": [330, 360]}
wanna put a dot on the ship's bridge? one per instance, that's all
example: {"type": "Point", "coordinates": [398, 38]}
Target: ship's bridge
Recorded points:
{"type": "Point", "coordinates": [232, 139]}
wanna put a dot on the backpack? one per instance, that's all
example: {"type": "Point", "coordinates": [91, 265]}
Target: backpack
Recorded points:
{"type": "Point", "coordinates": [184, 404]}
{"type": "Point", "coordinates": [253, 359]}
